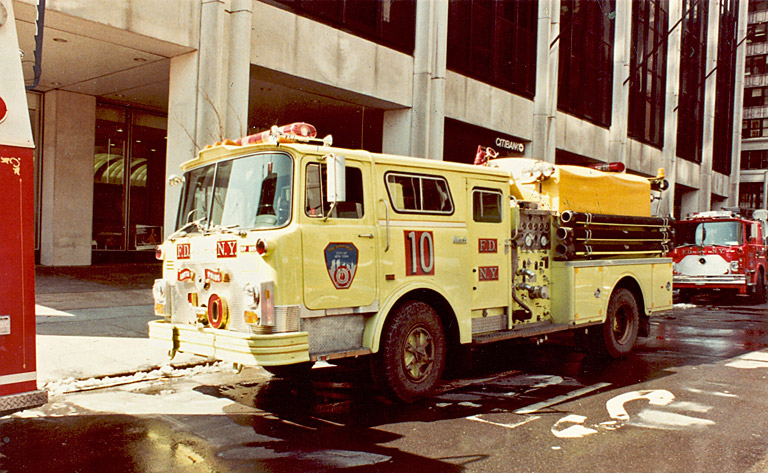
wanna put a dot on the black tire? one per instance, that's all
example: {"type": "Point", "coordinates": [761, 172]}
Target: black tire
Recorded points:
{"type": "Point", "coordinates": [412, 352]}
{"type": "Point", "coordinates": [684, 295]}
{"type": "Point", "coordinates": [297, 371]}
{"type": "Point", "coordinates": [621, 325]}
{"type": "Point", "coordinates": [758, 292]}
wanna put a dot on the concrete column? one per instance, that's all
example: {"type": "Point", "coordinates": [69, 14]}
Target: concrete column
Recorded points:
{"type": "Point", "coordinates": [545, 102]}
{"type": "Point", "coordinates": [765, 192]}
{"type": "Point", "coordinates": [689, 203]}
{"type": "Point", "coordinates": [182, 143]}
{"type": "Point", "coordinates": [426, 117]}
{"type": "Point", "coordinates": [240, 18]}
{"type": "Point", "coordinates": [671, 101]}
{"type": "Point", "coordinates": [617, 145]}
{"type": "Point", "coordinates": [211, 101]}
{"type": "Point", "coordinates": [704, 194]}
{"type": "Point", "coordinates": [67, 184]}
{"type": "Point", "coordinates": [397, 131]}
{"type": "Point", "coordinates": [208, 89]}
{"type": "Point", "coordinates": [738, 107]}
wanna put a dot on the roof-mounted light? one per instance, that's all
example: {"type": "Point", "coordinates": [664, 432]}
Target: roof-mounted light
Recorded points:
{"type": "Point", "coordinates": [609, 167]}
{"type": "Point", "coordinates": [285, 134]}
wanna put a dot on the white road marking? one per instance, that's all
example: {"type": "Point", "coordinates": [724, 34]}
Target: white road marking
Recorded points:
{"type": "Point", "coordinates": [558, 399]}
{"type": "Point", "coordinates": [477, 418]}
{"type": "Point", "coordinates": [750, 361]}
{"type": "Point", "coordinates": [575, 431]}
{"type": "Point", "coordinates": [656, 397]}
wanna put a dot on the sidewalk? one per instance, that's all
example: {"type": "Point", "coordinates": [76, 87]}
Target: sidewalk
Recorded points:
{"type": "Point", "coordinates": [92, 322]}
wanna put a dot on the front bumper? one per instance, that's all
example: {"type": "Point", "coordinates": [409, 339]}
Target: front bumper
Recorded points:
{"type": "Point", "coordinates": [273, 349]}
{"type": "Point", "coordinates": [734, 281]}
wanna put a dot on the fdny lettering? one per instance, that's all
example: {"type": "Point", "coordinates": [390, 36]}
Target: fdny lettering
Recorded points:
{"type": "Point", "coordinates": [487, 245]}
{"type": "Point", "coordinates": [183, 251]}
{"type": "Point", "coordinates": [488, 273]}
{"type": "Point", "coordinates": [226, 249]}
{"type": "Point", "coordinates": [185, 274]}
{"type": "Point", "coordinates": [213, 276]}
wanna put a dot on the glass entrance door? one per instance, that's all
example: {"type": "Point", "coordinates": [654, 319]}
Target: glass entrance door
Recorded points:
{"type": "Point", "coordinates": [128, 190]}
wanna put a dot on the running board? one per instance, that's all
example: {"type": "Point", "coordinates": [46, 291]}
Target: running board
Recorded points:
{"type": "Point", "coordinates": [526, 331]}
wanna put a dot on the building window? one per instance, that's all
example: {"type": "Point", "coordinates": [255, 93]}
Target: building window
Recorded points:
{"type": "Point", "coordinates": [726, 79]}
{"type": "Point", "coordinates": [129, 180]}
{"type": "Point", "coordinates": [648, 64]}
{"type": "Point", "coordinates": [754, 128]}
{"type": "Point", "coordinates": [758, 5]}
{"type": "Point", "coordinates": [755, 97]}
{"type": "Point", "coordinates": [693, 53]}
{"type": "Point", "coordinates": [494, 42]}
{"type": "Point", "coordinates": [755, 65]}
{"type": "Point", "coordinates": [757, 159]}
{"type": "Point", "coordinates": [586, 59]}
{"type": "Point", "coordinates": [751, 195]}
{"type": "Point", "coordinates": [388, 22]}
{"type": "Point", "coordinates": [757, 33]}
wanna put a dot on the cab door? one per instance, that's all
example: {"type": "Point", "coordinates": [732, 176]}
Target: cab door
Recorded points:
{"type": "Point", "coordinates": [338, 242]}
{"type": "Point", "coordinates": [487, 233]}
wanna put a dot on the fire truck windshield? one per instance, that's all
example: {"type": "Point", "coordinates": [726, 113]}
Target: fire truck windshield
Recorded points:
{"type": "Point", "coordinates": [249, 192]}
{"type": "Point", "coordinates": [726, 233]}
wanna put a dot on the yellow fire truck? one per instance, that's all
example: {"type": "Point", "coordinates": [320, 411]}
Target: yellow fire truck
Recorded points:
{"type": "Point", "coordinates": [290, 251]}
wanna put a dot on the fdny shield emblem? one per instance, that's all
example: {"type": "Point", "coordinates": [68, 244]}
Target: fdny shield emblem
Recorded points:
{"type": "Point", "coordinates": [341, 262]}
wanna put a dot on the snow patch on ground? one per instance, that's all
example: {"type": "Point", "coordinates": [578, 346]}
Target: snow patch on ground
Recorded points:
{"type": "Point", "coordinates": [72, 385]}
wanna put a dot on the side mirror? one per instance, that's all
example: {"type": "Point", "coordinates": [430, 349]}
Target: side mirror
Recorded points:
{"type": "Point", "coordinates": [175, 180]}
{"type": "Point", "coordinates": [336, 178]}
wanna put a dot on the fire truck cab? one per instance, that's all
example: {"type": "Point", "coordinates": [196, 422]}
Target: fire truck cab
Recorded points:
{"type": "Point", "coordinates": [720, 251]}
{"type": "Point", "coordinates": [289, 251]}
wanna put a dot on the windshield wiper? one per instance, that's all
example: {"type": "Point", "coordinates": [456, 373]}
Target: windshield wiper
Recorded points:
{"type": "Point", "coordinates": [198, 224]}
{"type": "Point", "coordinates": [225, 228]}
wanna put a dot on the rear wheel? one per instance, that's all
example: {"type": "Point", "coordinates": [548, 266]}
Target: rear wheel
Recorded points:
{"type": "Point", "coordinates": [411, 356]}
{"type": "Point", "coordinates": [621, 325]}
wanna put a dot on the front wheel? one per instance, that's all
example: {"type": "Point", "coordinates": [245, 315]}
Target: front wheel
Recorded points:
{"type": "Point", "coordinates": [758, 291]}
{"type": "Point", "coordinates": [621, 325]}
{"type": "Point", "coordinates": [412, 353]}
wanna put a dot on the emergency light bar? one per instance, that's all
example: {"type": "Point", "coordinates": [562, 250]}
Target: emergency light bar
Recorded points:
{"type": "Point", "coordinates": [609, 167]}
{"type": "Point", "coordinates": [295, 132]}
{"type": "Point", "coordinates": [283, 134]}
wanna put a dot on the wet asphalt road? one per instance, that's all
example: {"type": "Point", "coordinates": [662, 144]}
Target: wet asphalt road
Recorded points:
{"type": "Point", "coordinates": [692, 397]}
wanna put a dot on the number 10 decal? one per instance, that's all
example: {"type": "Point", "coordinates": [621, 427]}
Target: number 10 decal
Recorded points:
{"type": "Point", "coordinates": [419, 253]}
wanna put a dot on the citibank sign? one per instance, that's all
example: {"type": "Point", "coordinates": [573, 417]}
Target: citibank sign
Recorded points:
{"type": "Point", "coordinates": [510, 145]}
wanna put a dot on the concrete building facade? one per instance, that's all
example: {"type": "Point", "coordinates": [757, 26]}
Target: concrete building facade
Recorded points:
{"type": "Point", "coordinates": [129, 90]}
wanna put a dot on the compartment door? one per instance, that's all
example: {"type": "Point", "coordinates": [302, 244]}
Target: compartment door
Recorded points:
{"type": "Point", "coordinates": [487, 232]}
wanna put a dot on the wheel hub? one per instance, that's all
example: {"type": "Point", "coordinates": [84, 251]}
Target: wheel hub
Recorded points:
{"type": "Point", "coordinates": [418, 354]}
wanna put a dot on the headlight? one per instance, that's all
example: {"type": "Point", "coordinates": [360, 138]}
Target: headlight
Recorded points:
{"type": "Point", "coordinates": [734, 266]}
{"type": "Point", "coordinates": [158, 291]}
{"type": "Point", "coordinates": [251, 296]}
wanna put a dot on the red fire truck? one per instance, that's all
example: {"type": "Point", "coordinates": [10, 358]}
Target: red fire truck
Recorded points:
{"type": "Point", "coordinates": [720, 251]}
{"type": "Point", "coordinates": [18, 375]}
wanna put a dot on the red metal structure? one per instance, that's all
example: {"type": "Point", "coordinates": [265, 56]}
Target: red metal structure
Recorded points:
{"type": "Point", "coordinates": [720, 250]}
{"type": "Point", "coordinates": [18, 373]}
